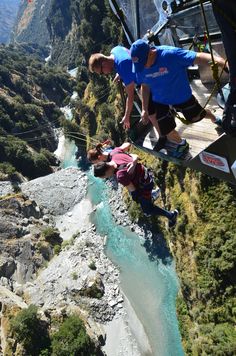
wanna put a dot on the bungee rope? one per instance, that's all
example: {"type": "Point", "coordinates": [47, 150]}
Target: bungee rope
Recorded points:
{"type": "Point", "coordinates": [214, 64]}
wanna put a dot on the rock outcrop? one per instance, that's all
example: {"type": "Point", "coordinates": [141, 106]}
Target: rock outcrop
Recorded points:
{"type": "Point", "coordinates": [80, 279]}
{"type": "Point", "coordinates": [59, 192]}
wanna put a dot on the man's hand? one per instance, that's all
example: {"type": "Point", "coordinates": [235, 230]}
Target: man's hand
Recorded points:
{"type": "Point", "coordinates": [125, 122]}
{"type": "Point", "coordinates": [145, 117]}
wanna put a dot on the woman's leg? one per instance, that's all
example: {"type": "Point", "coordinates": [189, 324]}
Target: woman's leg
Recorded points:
{"type": "Point", "coordinates": [149, 208]}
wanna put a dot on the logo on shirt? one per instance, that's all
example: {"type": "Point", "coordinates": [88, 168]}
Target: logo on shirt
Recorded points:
{"type": "Point", "coordinates": [162, 71]}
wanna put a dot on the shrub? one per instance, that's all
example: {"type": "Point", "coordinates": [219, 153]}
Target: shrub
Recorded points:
{"type": "Point", "coordinates": [52, 159]}
{"type": "Point", "coordinates": [52, 236]}
{"type": "Point", "coordinates": [57, 249]}
{"type": "Point", "coordinates": [74, 275]}
{"type": "Point", "coordinates": [92, 265]}
{"type": "Point", "coordinates": [72, 339]}
{"type": "Point", "coordinates": [29, 331]}
{"type": "Point", "coordinates": [69, 242]}
{"type": "Point", "coordinates": [45, 250]}
{"type": "Point", "coordinates": [8, 169]}
{"type": "Point", "coordinates": [41, 164]}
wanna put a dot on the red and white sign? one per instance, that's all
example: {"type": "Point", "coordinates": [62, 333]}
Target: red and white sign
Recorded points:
{"type": "Point", "coordinates": [214, 161]}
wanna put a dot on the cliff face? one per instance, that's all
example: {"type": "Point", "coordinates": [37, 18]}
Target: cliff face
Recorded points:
{"type": "Point", "coordinates": [45, 22]}
{"type": "Point", "coordinates": [204, 246]}
{"type": "Point", "coordinates": [63, 25]}
{"type": "Point", "coordinates": [31, 24]}
{"type": "Point", "coordinates": [8, 12]}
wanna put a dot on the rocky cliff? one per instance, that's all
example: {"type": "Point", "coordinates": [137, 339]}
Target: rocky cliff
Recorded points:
{"type": "Point", "coordinates": [8, 12]}
{"type": "Point", "coordinates": [31, 24]}
{"type": "Point", "coordinates": [80, 279]}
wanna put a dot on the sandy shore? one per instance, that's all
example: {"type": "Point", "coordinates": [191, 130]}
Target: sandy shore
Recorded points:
{"type": "Point", "coordinates": [75, 220]}
{"type": "Point", "coordinates": [126, 335]}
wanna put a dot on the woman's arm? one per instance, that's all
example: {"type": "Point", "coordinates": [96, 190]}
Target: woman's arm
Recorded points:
{"type": "Point", "coordinates": [131, 188]}
{"type": "Point", "coordinates": [125, 146]}
{"type": "Point", "coordinates": [131, 166]}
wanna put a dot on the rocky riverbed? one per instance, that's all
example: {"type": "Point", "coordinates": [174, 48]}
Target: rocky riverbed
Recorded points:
{"type": "Point", "coordinates": [80, 278]}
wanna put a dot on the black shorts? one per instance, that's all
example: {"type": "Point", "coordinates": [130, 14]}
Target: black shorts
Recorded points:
{"type": "Point", "coordinates": [166, 116]}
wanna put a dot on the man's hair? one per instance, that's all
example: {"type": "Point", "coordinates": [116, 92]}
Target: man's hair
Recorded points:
{"type": "Point", "coordinates": [95, 61]}
{"type": "Point", "coordinates": [100, 169]}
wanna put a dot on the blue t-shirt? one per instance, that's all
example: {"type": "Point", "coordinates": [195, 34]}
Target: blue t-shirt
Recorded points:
{"type": "Point", "coordinates": [123, 64]}
{"type": "Point", "coordinates": [167, 77]}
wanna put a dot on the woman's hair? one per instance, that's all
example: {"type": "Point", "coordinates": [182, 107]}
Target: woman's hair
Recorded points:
{"type": "Point", "coordinates": [94, 153]}
{"type": "Point", "coordinates": [100, 169]}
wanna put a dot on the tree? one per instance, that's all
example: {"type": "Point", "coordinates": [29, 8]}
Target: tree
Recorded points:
{"type": "Point", "coordinates": [29, 331]}
{"type": "Point", "coordinates": [72, 339]}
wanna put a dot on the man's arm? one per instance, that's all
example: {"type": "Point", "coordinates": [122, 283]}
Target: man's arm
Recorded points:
{"type": "Point", "coordinates": [145, 93]}
{"type": "Point", "coordinates": [205, 58]}
{"type": "Point", "coordinates": [129, 105]}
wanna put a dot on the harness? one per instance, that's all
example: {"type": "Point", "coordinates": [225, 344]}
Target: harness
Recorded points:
{"type": "Point", "coordinates": [146, 182]}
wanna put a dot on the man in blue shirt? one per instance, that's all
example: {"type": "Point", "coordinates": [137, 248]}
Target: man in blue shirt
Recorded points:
{"type": "Point", "coordinates": [163, 70]}
{"type": "Point", "coordinates": [120, 60]}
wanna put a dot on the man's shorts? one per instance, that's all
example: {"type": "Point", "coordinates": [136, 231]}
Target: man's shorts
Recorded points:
{"type": "Point", "coordinates": [166, 117]}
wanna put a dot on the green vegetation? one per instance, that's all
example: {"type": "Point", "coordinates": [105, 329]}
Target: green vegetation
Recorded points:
{"type": "Point", "coordinates": [69, 242]}
{"type": "Point", "coordinates": [57, 249]}
{"type": "Point", "coordinates": [30, 92]}
{"type": "Point", "coordinates": [70, 339]}
{"type": "Point", "coordinates": [6, 171]}
{"type": "Point", "coordinates": [204, 238]}
{"type": "Point", "coordinates": [92, 292]}
{"type": "Point", "coordinates": [204, 246]}
{"type": "Point", "coordinates": [74, 275]}
{"type": "Point", "coordinates": [28, 330]}
{"type": "Point", "coordinates": [92, 265]}
{"type": "Point", "coordinates": [52, 235]}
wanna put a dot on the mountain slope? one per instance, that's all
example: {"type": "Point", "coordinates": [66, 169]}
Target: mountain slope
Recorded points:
{"type": "Point", "coordinates": [8, 12]}
{"type": "Point", "coordinates": [31, 24]}
{"type": "Point", "coordinates": [30, 93]}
